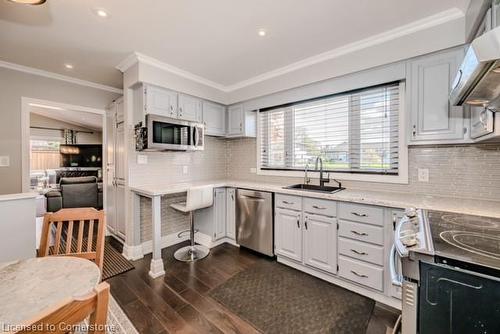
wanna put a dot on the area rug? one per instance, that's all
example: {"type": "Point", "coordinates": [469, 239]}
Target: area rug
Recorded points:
{"type": "Point", "coordinates": [118, 322]}
{"type": "Point", "coordinates": [279, 299]}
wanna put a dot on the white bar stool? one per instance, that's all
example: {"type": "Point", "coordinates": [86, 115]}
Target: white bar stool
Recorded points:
{"type": "Point", "coordinates": [197, 198]}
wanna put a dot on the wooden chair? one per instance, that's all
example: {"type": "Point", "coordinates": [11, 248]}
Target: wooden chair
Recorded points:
{"type": "Point", "coordinates": [64, 317]}
{"type": "Point", "coordinates": [67, 223]}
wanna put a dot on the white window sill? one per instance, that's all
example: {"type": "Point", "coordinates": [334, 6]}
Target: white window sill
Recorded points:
{"type": "Point", "coordinates": [401, 178]}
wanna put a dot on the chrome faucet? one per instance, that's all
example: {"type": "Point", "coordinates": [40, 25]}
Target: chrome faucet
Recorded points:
{"type": "Point", "coordinates": [307, 179]}
{"type": "Point", "coordinates": [322, 181]}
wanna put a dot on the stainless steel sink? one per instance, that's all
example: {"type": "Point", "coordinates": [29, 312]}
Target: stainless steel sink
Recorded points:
{"type": "Point", "coordinates": [315, 188]}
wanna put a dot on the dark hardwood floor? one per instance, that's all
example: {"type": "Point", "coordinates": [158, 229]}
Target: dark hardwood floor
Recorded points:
{"type": "Point", "coordinates": [178, 302]}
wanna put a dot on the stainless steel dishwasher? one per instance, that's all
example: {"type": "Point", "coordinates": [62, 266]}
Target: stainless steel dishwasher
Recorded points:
{"type": "Point", "coordinates": [254, 220]}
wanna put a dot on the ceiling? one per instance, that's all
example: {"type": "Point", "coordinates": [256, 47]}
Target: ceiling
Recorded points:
{"type": "Point", "coordinates": [83, 119]}
{"type": "Point", "coordinates": [216, 40]}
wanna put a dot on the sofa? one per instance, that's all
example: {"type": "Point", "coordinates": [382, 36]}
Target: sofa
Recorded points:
{"type": "Point", "coordinates": [75, 192]}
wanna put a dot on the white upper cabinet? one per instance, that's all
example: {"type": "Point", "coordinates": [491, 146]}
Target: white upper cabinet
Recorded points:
{"type": "Point", "coordinates": [432, 118]}
{"type": "Point", "coordinates": [214, 118]}
{"type": "Point", "coordinates": [189, 108]}
{"type": "Point", "coordinates": [160, 101]}
{"type": "Point", "coordinates": [241, 123]}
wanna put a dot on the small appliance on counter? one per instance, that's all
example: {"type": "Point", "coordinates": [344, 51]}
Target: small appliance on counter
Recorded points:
{"type": "Point", "coordinates": [450, 272]}
{"type": "Point", "coordinates": [169, 134]}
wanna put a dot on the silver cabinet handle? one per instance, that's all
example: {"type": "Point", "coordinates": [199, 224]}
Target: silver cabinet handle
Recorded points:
{"type": "Point", "coordinates": [358, 252]}
{"type": "Point", "coordinates": [359, 275]}
{"type": "Point", "coordinates": [305, 223]}
{"type": "Point", "coordinates": [290, 203]}
{"type": "Point", "coordinates": [319, 207]}
{"type": "Point", "coordinates": [359, 214]}
{"type": "Point", "coordinates": [359, 233]}
{"type": "Point", "coordinates": [298, 221]}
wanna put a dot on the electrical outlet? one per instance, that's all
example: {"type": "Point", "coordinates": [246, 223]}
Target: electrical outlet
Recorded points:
{"type": "Point", "coordinates": [423, 175]}
{"type": "Point", "coordinates": [253, 170]}
{"type": "Point", "coordinates": [142, 159]}
{"type": "Point", "coordinates": [4, 161]}
{"type": "Point", "coordinates": [184, 170]}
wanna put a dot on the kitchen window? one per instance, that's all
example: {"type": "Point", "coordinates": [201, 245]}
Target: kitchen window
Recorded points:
{"type": "Point", "coordinates": [357, 134]}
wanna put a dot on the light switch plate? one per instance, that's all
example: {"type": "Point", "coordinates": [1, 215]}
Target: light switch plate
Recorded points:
{"type": "Point", "coordinates": [423, 175]}
{"type": "Point", "coordinates": [184, 170]}
{"type": "Point", "coordinates": [142, 159]}
{"type": "Point", "coordinates": [4, 161]}
{"type": "Point", "coordinates": [253, 170]}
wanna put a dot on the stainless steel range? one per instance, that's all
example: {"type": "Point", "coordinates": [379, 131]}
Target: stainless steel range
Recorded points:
{"type": "Point", "coordinates": [450, 272]}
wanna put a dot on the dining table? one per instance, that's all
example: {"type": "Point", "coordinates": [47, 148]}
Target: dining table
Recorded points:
{"type": "Point", "coordinates": [32, 287]}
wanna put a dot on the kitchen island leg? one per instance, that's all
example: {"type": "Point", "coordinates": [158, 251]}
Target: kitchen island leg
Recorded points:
{"type": "Point", "coordinates": [156, 269]}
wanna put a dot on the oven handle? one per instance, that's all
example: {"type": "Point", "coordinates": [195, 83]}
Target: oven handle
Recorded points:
{"type": "Point", "coordinates": [401, 249]}
{"type": "Point", "coordinates": [195, 136]}
{"type": "Point", "coordinates": [396, 278]}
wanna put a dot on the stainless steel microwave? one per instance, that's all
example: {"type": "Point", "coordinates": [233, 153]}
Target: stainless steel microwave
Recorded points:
{"type": "Point", "coordinates": [169, 134]}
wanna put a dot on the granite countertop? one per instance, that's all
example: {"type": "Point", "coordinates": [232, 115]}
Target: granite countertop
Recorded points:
{"type": "Point", "coordinates": [381, 198]}
{"type": "Point", "coordinates": [13, 197]}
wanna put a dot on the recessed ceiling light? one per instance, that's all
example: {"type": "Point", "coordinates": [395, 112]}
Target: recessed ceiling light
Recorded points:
{"type": "Point", "coordinates": [101, 12]}
{"type": "Point", "coordinates": [29, 2]}
{"type": "Point", "coordinates": [262, 32]}
{"type": "Point", "coordinates": [68, 66]}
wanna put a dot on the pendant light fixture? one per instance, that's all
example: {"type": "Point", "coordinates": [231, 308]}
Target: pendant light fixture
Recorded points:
{"type": "Point", "coordinates": [29, 2]}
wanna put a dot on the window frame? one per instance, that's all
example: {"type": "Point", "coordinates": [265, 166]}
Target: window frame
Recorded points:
{"type": "Point", "coordinates": [400, 178]}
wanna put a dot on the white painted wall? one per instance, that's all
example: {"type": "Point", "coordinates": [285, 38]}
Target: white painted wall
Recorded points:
{"type": "Point", "coordinates": [17, 227]}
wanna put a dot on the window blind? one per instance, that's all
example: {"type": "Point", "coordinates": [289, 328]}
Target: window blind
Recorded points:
{"type": "Point", "coordinates": [356, 132]}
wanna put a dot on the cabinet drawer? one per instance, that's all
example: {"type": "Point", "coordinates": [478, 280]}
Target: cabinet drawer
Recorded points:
{"type": "Point", "coordinates": [362, 232]}
{"type": "Point", "coordinates": [320, 207]}
{"type": "Point", "coordinates": [362, 213]}
{"type": "Point", "coordinates": [362, 251]}
{"type": "Point", "coordinates": [362, 273]}
{"type": "Point", "coordinates": [288, 202]}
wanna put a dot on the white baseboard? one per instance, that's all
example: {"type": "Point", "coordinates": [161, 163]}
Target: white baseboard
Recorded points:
{"type": "Point", "coordinates": [172, 239]}
{"type": "Point", "coordinates": [378, 297]}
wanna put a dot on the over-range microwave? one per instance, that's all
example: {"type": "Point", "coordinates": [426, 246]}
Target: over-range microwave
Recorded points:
{"type": "Point", "coordinates": [169, 134]}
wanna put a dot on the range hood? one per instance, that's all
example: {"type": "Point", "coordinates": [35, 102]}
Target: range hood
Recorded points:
{"type": "Point", "coordinates": [478, 79]}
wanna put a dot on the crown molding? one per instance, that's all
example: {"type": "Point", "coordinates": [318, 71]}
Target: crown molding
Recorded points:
{"type": "Point", "coordinates": [57, 76]}
{"type": "Point", "coordinates": [413, 27]}
{"type": "Point", "coordinates": [137, 57]}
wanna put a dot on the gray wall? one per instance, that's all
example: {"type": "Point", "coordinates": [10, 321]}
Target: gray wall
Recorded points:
{"type": "Point", "coordinates": [13, 86]}
{"type": "Point", "coordinates": [81, 137]}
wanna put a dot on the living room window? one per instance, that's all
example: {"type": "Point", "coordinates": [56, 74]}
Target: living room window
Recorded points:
{"type": "Point", "coordinates": [355, 133]}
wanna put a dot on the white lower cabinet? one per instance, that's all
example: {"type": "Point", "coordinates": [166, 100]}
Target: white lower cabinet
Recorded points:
{"type": "Point", "coordinates": [320, 242]}
{"type": "Point", "coordinates": [212, 220]}
{"type": "Point", "coordinates": [231, 213]}
{"type": "Point", "coordinates": [288, 233]}
{"type": "Point", "coordinates": [361, 272]}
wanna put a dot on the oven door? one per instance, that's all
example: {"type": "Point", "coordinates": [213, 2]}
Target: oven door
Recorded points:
{"type": "Point", "coordinates": [455, 301]}
{"type": "Point", "coordinates": [169, 134]}
{"type": "Point", "coordinates": [481, 122]}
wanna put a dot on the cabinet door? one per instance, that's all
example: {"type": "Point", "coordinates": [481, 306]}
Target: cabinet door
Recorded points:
{"type": "Point", "coordinates": [110, 205]}
{"type": "Point", "coordinates": [432, 117]}
{"type": "Point", "coordinates": [288, 234]}
{"type": "Point", "coordinates": [120, 210]}
{"type": "Point", "coordinates": [189, 108]}
{"type": "Point", "coordinates": [220, 213]}
{"type": "Point", "coordinates": [231, 213]}
{"type": "Point", "coordinates": [235, 120]}
{"type": "Point", "coordinates": [320, 242]}
{"type": "Point", "coordinates": [119, 158]}
{"type": "Point", "coordinates": [214, 118]}
{"type": "Point", "coordinates": [159, 101]}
